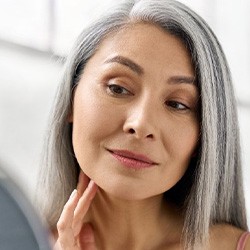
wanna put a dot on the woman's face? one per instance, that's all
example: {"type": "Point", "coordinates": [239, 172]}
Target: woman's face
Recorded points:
{"type": "Point", "coordinates": [135, 124]}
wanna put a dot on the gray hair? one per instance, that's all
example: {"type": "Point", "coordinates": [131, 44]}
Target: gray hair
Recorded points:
{"type": "Point", "coordinates": [214, 178]}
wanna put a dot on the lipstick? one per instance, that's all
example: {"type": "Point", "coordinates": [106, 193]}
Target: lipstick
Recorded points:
{"type": "Point", "coordinates": [132, 160]}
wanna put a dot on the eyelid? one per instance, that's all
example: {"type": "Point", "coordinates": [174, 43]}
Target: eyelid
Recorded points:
{"type": "Point", "coordinates": [185, 106]}
{"type": "Point", "coordinates": [119, 80]}
{"type": "Point", "coordinates": [109, 85]}
{"type": "Point", "coordinates": [124, 82]}
{"type": "Point", "coordinates": [185, 96]}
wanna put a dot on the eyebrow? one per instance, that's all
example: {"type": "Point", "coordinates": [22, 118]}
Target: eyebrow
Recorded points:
{"type": "Point", "coordinates": [140, 71]}
{"type": "Point", "coordinates": [126, 62]}
{"type": "Point", "coordinates": [182, 79]}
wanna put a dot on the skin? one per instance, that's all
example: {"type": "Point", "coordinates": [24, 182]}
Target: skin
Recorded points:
{"type": "Point", "coordinates": [149, 107]}
{"type": "Point", "coordinates": [166, 134]}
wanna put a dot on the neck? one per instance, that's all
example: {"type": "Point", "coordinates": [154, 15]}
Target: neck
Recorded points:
{"type": "Point", "coordinates": [123, 224]}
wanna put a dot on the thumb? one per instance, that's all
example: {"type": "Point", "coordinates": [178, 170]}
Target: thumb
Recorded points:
{"type": "Point", "coordinates": [87, 239]}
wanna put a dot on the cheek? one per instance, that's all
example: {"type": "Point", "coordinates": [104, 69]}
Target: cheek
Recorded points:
{"type": "Point", "coordinates": [88, 130]}
{"type": "Point", "coordinates": [94, 121]}
{"type": "Point", "coordinates": [88, 123]}
{"type": "Point", "coordinates": [184, 138]}
{"type": "Point", "coordinates": [180, 152]}
{"type": "Point", "coordinates": [188, 141]}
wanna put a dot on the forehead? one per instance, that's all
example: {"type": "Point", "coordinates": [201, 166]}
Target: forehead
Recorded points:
{"type": "Point", "coordinates": [148, 45]}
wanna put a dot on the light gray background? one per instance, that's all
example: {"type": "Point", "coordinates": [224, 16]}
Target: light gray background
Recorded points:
{"type": "Point", "coordinates": [31, 32]}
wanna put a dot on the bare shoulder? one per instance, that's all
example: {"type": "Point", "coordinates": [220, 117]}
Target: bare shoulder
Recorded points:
{"type": "Point", "coordinates": [225, 236]}
{"type": "Point", "coordinates": [247, 247]}
{"type": "Point", "coordinates": [53, 235]}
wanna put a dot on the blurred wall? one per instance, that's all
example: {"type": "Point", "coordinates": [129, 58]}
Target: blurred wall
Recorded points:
{"type": "Point", "coordinates": [33, 32]}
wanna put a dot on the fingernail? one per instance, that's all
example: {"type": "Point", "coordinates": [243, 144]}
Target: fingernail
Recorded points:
{"type": "Point", "coordinates": [73, 194]}
{"type": "Point", "coordinates": [92, 190]}
{"type": "Point", "coordinates": [87, 234]}
{"type": "Point", "coordinates": [91, 184]}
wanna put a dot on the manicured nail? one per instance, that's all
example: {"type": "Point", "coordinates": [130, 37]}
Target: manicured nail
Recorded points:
{"type": "Point", "coordinates": [91, 184]}
{"type": "Point", "coordinates": [93, 191]}
{"type": "Point", "coordinates": [87, 234]}
{"type": "Point", "coordinates": [73, 194]}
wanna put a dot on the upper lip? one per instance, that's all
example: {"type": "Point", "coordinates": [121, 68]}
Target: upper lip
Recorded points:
{"type": "Point", "coordinates": [132, 155]}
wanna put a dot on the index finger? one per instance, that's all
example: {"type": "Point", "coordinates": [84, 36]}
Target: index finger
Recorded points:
{"type": "Point", "coordinates": [64, 225]}
{"type": "Point", "coordinates": [83, 181]}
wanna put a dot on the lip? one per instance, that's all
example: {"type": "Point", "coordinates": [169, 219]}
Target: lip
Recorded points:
{"type": "Point", "coordinates": [132, 160]}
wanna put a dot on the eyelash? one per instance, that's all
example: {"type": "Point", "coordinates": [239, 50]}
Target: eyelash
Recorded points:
{"type": "Point", "coordinates": [111, 90]}
{"type": "Point", "coordinates": [172, 104]}
{"type": "Point", "coordinates": [176, 105]}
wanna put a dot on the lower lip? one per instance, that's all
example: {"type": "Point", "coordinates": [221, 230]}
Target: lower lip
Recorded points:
{"type": "Point", "coordinates": [132, 163]}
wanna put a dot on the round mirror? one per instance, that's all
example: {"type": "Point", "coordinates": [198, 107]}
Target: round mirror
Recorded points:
{"type": "Point", "coordinates": [20, 227]}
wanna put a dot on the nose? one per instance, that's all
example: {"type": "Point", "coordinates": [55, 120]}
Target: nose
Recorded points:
{"type": "Point", "coordinates": [140, 121]}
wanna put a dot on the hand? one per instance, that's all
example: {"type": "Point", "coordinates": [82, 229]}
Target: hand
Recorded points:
{"type": "Point", "coordinates": [72, 233]}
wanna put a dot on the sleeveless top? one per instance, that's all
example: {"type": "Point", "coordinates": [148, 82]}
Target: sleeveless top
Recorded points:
{"type": "Point", "coordinates": [242, 241]}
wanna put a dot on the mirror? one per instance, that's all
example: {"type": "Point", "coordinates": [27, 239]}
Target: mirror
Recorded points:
{"type": "Point", "coordinates": [20, 227]}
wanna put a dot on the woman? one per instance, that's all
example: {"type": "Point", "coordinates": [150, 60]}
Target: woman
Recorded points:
{"type": "Point", "coordinates": [145, 125]}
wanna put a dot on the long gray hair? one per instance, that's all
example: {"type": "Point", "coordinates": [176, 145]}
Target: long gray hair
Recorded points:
{"type": "Point", "coordinates": [214, 179]}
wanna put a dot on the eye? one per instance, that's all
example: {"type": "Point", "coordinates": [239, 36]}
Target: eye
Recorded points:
{"type": "Point", "coordinates": [115, 89]}
{"type": "Point", "coordinates": [177, 105]}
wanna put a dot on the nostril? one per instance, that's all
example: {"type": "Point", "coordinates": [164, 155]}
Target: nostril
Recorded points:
{"type": "Point", "coordinates": [150, 136]}
{"type": "Point", "coordinates": [131, 131]}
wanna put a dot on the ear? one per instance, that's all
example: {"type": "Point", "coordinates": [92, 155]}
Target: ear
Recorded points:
{"type": "Point", "coordinates": [196, 151]}
{"type": "Point", "coordinates": [71, 109]}
{"type": "Point", "coordinates": [70, 117]}
{"type": "Point", "coordinates": [194, 154]}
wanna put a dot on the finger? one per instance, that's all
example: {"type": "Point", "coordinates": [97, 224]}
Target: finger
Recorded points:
{"type": "Point", "coordinates": [83, 206]}
{"type": "Point", "coordinates": [64, 224]}
{"type": "Point", "coordinates": [86, 238]}
{"type": "Point", "coordinates": [85, 200]}
{"type": "Point", "coordinates": [83, 181]}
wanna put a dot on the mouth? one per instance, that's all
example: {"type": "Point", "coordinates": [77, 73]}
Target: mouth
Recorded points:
{"type": "Point", "coordinates": [132, 160]}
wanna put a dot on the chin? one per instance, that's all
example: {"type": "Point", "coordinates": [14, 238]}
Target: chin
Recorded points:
{"type": "Point", "coordinates": [126, 191]}
{"type": "Point", "coordinates": [125, 195]}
